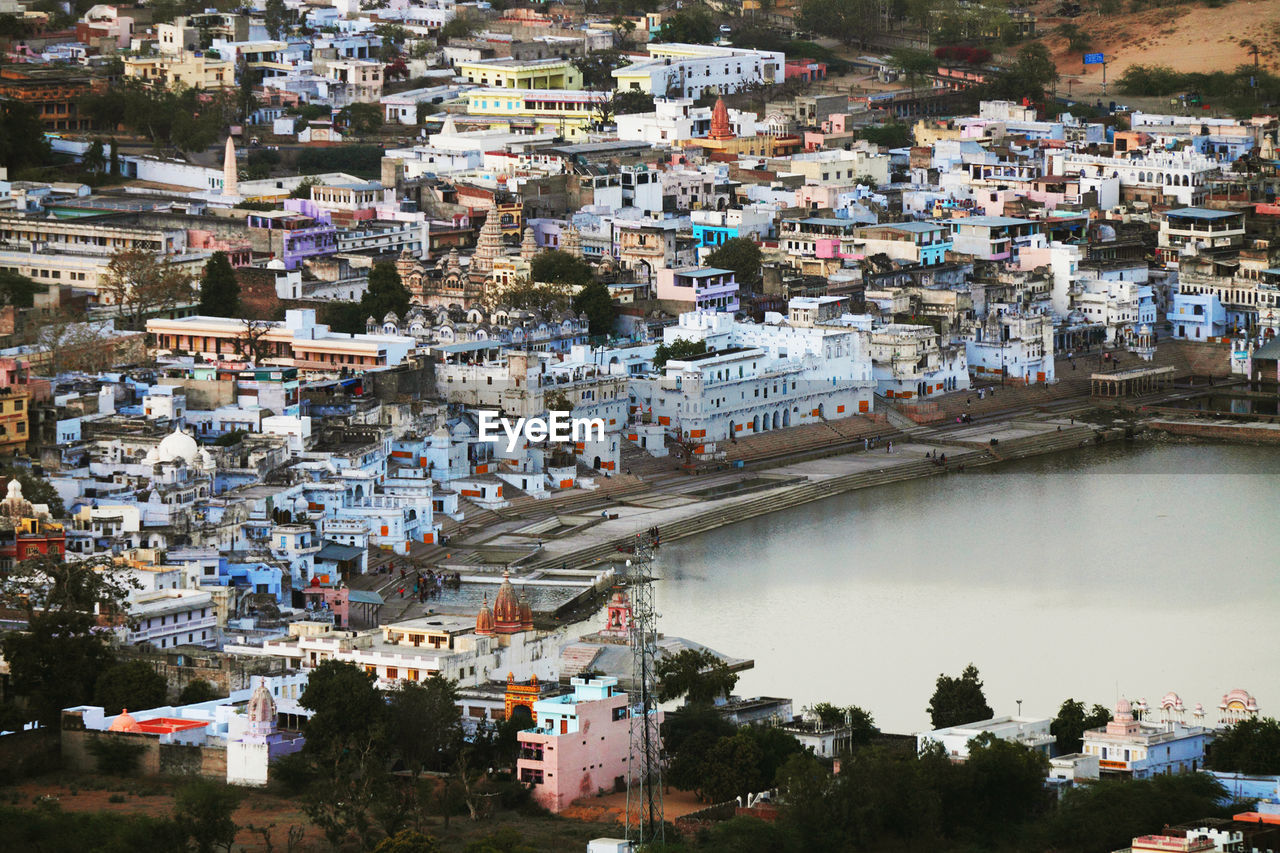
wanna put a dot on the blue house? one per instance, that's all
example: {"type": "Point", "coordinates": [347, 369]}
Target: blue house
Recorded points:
{"type": "Point", "coordinates": [1197, 317]}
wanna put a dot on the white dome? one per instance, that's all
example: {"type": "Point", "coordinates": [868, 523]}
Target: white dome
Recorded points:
{"type": "Point", "coordinates": [178, 445]}
{"type": "Point", "coordinates": [276, 264]}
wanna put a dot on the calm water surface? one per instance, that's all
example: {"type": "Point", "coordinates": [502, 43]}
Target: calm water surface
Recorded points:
{"type": "Point", "coordinates": [1132, 570]}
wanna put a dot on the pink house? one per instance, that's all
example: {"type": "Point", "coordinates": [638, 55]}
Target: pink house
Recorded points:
{"type": "Point", "coordinates": [580, 745]}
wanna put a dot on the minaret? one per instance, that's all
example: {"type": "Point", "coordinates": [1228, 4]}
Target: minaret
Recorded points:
{"type": "Point", "coordinates": [488, 247]}
{"type": "Point", "coordinates": [230, 180]}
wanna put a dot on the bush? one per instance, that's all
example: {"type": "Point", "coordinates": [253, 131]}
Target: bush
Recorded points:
{"type": "Point", "coordinates": [115, 755]}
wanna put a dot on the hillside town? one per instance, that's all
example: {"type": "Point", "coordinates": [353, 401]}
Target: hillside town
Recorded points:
{"type": "Point", "coordinates": [295, 296]}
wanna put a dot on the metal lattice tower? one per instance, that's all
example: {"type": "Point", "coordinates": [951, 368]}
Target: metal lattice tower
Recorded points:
{"type": "Point", "coordinates": [644, 760]}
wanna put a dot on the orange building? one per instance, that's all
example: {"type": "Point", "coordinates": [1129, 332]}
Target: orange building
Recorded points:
{"type": "Point", "coordinates": [53, 92]}
{"type": "Point", "coordinates": [15, 397]}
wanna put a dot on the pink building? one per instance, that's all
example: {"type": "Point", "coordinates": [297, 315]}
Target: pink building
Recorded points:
{"type": "Point", "coordinates": [699, 288]}
{"type": "Point", "coordinates": [580, 745]}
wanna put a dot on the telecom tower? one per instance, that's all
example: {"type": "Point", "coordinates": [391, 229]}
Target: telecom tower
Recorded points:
{"type": "Point", "coordinates": [644, 761]}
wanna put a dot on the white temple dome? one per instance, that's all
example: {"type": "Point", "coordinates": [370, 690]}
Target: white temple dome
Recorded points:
{"type": "Point", "coordinates": [178, 445]}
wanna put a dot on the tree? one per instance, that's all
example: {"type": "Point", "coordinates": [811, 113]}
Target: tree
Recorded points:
{"type": "Point", "coordinates": [303, 189]}
{"type": "Point", "coordinates": [526, 295]}
{"type": "Point", "coordinates": [17, 290]}
{"type": "Point", "coordinates": [861, 724]}
{"type": "Point", "coordinates": [1006, 782]}
{"type": "Point", "coordinates": [276, 18]}
{"type": "Point", "coordinates": [362, 118]}
{"type": "Point", "coordinates": [1107, 815]}
{"type": "Point", "coordinates": [1073, 721]}
{"type": "Point", "coordinates": [594, 301]}
{"type": "Point", "coordinates": [680, 348]}
{"type": "Point", "coordinates": [22, 141]}
{"type": "Point", "coordinates": [204, 810]}
{"type": "Point", "coordinates": [696, 674]}
{"type": "Point", "coordinates": [133, 684]}
{"type": "Point", "coordinates": [1029, 76]}
{"type": "Point", "coordinates": [197, 690]}
{"type": "Point", "coordinates": [847, 20]}
{"type": "Point", "coordinates": [915, 65]}
{"type": "Point", "coordinates": [958, 700]}
{"type": "Point", "coordinates": [622, 30]}
{"type": "Point", "coordinates": [346, 745]}
{"type": "Point", "coordinates": [688, 26]}
{"type": "Point", "coordinates": [741, 255]}
{"type": "Point", "coordinates": [385, 292]}
{"type": "Point", "coordinates": [138, 281]}
{"type": "Point", "coordinates": [36, 489]}
{"type": "Point", "coordinates": [53, 664]}
{"type": "Point", "coordinates": [251, 343]}
{"type": "Point", "coordinates": [1249, 746]}
{"type": "Point", "coordinates": [1077, 39]}
{"type": "Point", "coordinates": [555, 266]}
{"type": "Point", "coordinates": [95, 159]}
{"type": "Point", "coordinates": [219, 290]}
{"type": "Point", "coordinates": [459, 28]}
{"type": "Point", "coordinates": [46, 584]}
{"type": "Point", "coordinates": [425, 723]}
{"type": "Point", "coordinates": [893, 135]}
{"type": "Point", "coordinates": [732, 769]}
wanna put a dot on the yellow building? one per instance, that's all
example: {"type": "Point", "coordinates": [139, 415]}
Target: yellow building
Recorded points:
{"type": "Point", "coordinates": [192, 70]}
{"type": "Point", "coordinates": [509, 73]}
{"type": "Point", "coordinates": [569, 113]}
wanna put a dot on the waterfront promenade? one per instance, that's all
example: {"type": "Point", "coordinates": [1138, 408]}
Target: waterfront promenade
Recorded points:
{"type": "Point", "coordinates": [582, 529]}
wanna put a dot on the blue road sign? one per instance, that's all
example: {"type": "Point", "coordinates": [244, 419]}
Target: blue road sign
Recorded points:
{"type": "Point", "coordinates": [1094, 59]}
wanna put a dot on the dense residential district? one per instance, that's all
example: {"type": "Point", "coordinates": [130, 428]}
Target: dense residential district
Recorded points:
{"type": "Point", "coordinates": [363, 360]}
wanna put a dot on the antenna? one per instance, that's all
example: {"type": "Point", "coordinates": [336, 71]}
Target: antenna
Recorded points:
{"type": "Point", "coordinates": [644, 759]}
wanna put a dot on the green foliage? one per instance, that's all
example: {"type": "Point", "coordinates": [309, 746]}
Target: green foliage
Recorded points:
{"type": "Point", "coordinates": [197, 690]}
{"type": "Point", "coordinates": [506, 743]}
{"type": "Point", "coordinates": [696, 674]}
{"type": "Point", "coordinates": [741, 255]}
{"type": "Point", "coordinates": [849, 21]}
{"type": "Point", "coordinates": [680, 348]}
{"type": "Point", "coordinates": [230, 439]}
{"type": "Point", "coordinates": [36, 489]}
{"type": "Point", "coordinates": [594, 301]}
{"type": "Point", "coordinates": [1073, 721]}
{"type": "Point", "coordinates": [688, 26]}
{"type": "Point", "coordinates": [48, 829]}
{"type": "Point", "coordinates": [364, 161]}
{"type": "Point", "coordinates": [1028, 77]}
{"type": "Point", "coordinates": [186, 119]}
{"type": "Point", "coordinates": [862, 725]}
{"type": "Point", "coordinates": [1077, 39]}
{"type": "Point", "coordinates": [597, 68]}
{"type": "Point", "coordinates": [560, 267]}
{"type": "Point", "coordinates": [732, 769]}
{"type": "Point", "coordinates": [425, 724]}
{"type": "Point", "coordinates": [133, 683]}
{"type": "Point", "coordinates": [303, 189]}
{"type": "Point", "coordinates": [277, 18]}
{"type": "Point", "coordinates": [219, 290]}
{"type": "Point", "coordinates": [407, 841]}
{"type": "Point", "coordinates": [459, 28]}
{"type": "Point", "coordinates": [203, 810]}
{"type": "Point", "coordinates": [1239, 92]}
{"type": "Point", "coordinates": [1250, 746]}
{"type": "Point", "coordinates": [1107, 815]}
{"type": "Point", "coordinates": [22, 141]}
{"type": "Point", "coordinates": [115, 755]}
{"type": "Point", "coordinates": [55, 662]}
{"type": "Point", "coordinates": [747, 835]}
{"type": "Point", "coordinates": [958, 700]}
{"type": "Point", "coordinates": [362, 118]}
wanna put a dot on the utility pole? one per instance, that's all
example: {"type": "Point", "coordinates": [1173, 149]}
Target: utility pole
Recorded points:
{"type": "Point", "coordinates": [644, 759]}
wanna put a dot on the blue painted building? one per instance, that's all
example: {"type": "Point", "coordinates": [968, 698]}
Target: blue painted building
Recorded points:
{"type": "Point", "coordinates": [1197, 316]}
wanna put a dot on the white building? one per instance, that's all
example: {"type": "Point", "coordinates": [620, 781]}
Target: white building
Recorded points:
{"type": "Point", "coordinates": [691, 70]}
{"type": "Point", "coordinates": [1012, 345]}
{"type": "Point", "coordinates": [676, 120]}
{"type": "Point", "coordinates": [167, 618]}
{"type": "Point", "coordinates": [1031, 732]}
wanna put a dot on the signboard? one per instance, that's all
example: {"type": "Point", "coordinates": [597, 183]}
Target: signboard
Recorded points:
{"type": "Point", "coordinates": [1114, 765]}
{"type": "Point", "coordinates": [1094, 59]}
